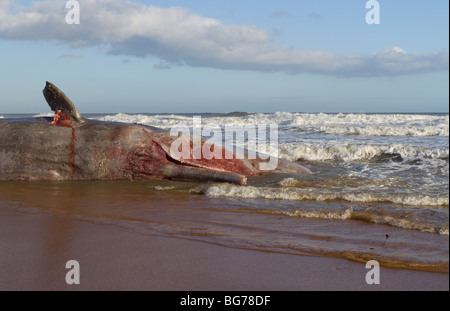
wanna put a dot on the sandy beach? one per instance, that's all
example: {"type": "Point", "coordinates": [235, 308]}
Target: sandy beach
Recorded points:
{"type": "Point", "coordinates": [34, 255]}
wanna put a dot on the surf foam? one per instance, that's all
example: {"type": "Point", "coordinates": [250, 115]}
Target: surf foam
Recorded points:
{"type": "Point", "coordinates": [355, 152]}
{"type": "Point", "coordinates": [320, 195]}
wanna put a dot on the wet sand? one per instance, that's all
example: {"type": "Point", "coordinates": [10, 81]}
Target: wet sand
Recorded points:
{"type": "Point", "coordinates": [34, 251]}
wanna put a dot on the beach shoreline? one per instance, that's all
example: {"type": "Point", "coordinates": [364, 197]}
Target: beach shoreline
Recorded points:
{"type": "Point", "coordinates": [34, 257]}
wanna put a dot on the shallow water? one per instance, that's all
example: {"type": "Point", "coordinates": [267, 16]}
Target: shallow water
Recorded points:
{"type": "Point", "coordinates": [171, 208]}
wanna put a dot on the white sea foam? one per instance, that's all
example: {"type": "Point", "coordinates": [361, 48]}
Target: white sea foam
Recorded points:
{"type": "Point", "coordinates": [422, 131]}
{"type": "Point", "coordinates": [321, 214]}
{"type": "Point", "coordinates": [443, 231]}
{"type": "Point", "coordinates": [161, 188]}
{"type": "Point", "coordinates": [162, 121]}
{"type": "Point", "coordinates": [47, 114]}
{"type": "Point", "coordinates": [337, 124]}
{"type": "Point", "coordinates": [385, 220]}
{"type": "Point", "coordinates": [407, 224]}
{"type": "Point", "coordinates": [355, 152]}
{"type": "Point", "coordinates": [289, 182]}
{"type": "Point", "coordinates": [323, 194]}
{"type": "Point", "coordinates": [349, 214]}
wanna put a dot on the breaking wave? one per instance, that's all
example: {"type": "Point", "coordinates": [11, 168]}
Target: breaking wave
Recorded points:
{"type": "Point", "coordinates": [368, 217]}
{"type": "Point", "coordinates": [439, 130]}
{"type": "Point", "coordinates": [338, 124]}
{"type": "Point", "coordinates": [47, 114]}
{"type": "Point", "coordinates": [355, 152]}
{"type": "Point", "coordinates": [391, 218]}
{"type": "Point", "coordinates": [326, 194]}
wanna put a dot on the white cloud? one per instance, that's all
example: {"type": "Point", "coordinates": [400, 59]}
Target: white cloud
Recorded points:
{"type": "Point", "coordinates": [179, 36]}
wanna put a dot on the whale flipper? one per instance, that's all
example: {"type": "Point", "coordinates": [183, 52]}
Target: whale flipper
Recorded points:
{"type": "Point", "coordinates": [61, 104]}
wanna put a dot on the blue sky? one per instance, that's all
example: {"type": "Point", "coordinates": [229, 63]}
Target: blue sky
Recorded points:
{"type": "Point", "coordinates": [222, 56]}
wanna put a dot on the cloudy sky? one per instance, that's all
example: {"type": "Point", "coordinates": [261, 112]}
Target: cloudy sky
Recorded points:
{"type": "Point", "coordinates": [221, 56]}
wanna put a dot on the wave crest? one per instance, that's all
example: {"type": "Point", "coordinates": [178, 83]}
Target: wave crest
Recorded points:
{"type": "Point", "coordinates": [320, 195]}
{"type": "Point", "coordinates": [338, 124]}
{"type": "Point", "coordinates": [354, 152]}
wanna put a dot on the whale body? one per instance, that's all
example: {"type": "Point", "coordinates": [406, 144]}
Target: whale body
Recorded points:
{"type": "Point", "coordinates": [70, 147]}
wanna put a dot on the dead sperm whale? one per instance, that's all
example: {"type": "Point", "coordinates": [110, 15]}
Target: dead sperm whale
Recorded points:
{"type": "Point", "coordinates": [70, 147]}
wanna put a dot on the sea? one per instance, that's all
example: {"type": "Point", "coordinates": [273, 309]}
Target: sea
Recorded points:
{"type": "Point", "coordinates": [379, 190]}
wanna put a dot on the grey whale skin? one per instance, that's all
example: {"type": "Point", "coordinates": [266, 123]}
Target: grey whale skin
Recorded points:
{"type": "Point", "coordinates": [70, 147]}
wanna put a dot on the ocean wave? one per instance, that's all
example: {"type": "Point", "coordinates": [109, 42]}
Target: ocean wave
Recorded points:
{"type": "Point", "coordinates": [301, 119]}
{"type": "Point", "coordinates": [321, 195]}
{"type": "Point", "coordinates": [372, 125]}
{"type": "Point", "coordinates": [366, 119]}
{"type": "Point", "coordinates": [163, 121]}
{"type": "Point", "coordinates": [47, 114]}
{"type": "Point", "coordinates": [335, 124]}
{"type": "Point", "coordinates": [168, 121]}
{"type": "Point", "coordinates": [342, 215]}
{"type": "Point", "coordinates": [423, 131]}
{"type": "Point", "coordinates": [355, 152]}
{"type": "Point", "coordinates": [349, 213]}
{"type": "Point", "coordinates": [403, 223]}
{"type": "Point", "coordinates": [391, 218]}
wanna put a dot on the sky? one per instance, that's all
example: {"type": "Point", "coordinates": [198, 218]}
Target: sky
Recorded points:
{"type": "Point", "coordinates": [222, 56]}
